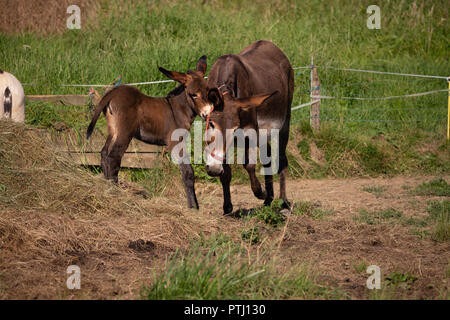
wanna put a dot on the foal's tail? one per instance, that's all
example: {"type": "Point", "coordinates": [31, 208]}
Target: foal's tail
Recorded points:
{"type": "Point", "coordinates": [100, 107]}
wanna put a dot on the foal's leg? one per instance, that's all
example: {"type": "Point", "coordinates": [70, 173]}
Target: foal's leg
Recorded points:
{"type": "Point", "coordinates": [114, 157]}
{"type": "Point", "coordinates": [188, 177]}
{"type": "Point", "coordinates": [225, 179]}
{"type": "Point", "coordinates": [104, 155]}
{"type": "Point", "coordinates": [187, 174]}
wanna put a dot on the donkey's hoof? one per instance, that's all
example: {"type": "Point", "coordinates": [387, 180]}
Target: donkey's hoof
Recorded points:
{"type": "Point", "coordinates": [286, 205]}
{"type": "Point", "coordinates": [261, 195]}
{"type": "Point", "coordinates": [227, 209]}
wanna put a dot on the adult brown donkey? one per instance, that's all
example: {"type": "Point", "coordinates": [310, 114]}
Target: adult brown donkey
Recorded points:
{"type": "Point", "coordinates": [251, 90]}
{"type": "Point", "coordinates": [131, 114]}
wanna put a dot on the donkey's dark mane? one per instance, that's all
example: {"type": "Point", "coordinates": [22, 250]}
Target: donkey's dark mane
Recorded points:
{"type": "Point", "coordinates": [178, 90]}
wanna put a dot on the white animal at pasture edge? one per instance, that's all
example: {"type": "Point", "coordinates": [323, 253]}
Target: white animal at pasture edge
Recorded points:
{"type": "Point", "coordinates": [12, 98]}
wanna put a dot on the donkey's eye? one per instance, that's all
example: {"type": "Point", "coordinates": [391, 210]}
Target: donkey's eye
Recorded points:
{"type": "Point", "coordinates": [193, 96]}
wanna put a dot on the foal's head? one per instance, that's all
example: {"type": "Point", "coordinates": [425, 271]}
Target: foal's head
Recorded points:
{"type": "Point", "coordinates": [195, 86]}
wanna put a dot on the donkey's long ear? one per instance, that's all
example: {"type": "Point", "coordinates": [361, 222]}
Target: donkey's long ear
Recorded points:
{"type": "Point", "coordinates": [253, 102]}
{"type": "Point", "coordinates": [177, 76]}
{"type": "Point", "coordinates": [216, 98]}
{"type": "Point", "coordinates": [201, 65]}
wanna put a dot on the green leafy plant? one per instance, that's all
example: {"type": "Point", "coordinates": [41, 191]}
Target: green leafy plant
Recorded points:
{"type": "Point", "coordinates": [268, 214]}
{"type": "Point", "coordinates": [400, 280]}
{"type": "Point", "coordinates": [251, 235]}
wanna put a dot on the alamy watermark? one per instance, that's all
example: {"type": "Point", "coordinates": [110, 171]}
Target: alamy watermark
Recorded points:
{"type": "Point", "coordinates": [74, 20]}
{"type": "Point", "coordinates": [220, 149]}
{"type": "Point", "coordinates": [374, 281]}
{"type": "Point", "coordinates": [74, 280]}
{"type": "Point", "coordinates": [374, 20]}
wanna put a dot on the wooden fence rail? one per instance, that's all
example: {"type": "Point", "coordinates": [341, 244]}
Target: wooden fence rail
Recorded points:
{"type": "Point", "coordinates": [87, 152]}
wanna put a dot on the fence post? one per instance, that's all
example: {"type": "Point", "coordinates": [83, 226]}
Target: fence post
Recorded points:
{"type": "Point", "coordinates": [448, 111]}
{"type": "Point", "coordinates": [315, 91]}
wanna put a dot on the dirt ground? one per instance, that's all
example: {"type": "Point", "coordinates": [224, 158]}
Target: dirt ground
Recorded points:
{"type": "Point", "coordinates": [338, 243]}
{"type": "Point", "coordinates": [131, 249]}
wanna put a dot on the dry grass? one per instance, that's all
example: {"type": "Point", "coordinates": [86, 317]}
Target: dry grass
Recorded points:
{"type": "Point", "coordinates": [54, 214]}
{"type": "Point", "coordinates": [41, 16]}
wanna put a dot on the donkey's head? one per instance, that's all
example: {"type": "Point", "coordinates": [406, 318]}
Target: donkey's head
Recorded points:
{"type": "Point", "coordinates": [195, 86]}
{"type": "Point", "coordinates": [229, 115]}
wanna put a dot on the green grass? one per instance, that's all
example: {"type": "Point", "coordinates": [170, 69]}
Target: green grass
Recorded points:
{"type": "Point", "coordinates": [268, 214]}
{"type": "Point", "coordinates": [224, 270]}
{"type": "Point", "coordinates": [376, 190]}
{"type": "Point", "coordinates": [154, 181]}
{"type": "Point", "coordinates": [390, 286]}
{"type": "Point", "coordinates": [436, 187]}
{"type": "Point", "coordinates": [384, 293]}
{"type": "Point", "coordinates": [349, 153]}
{"type": "Point", "coordinates": [435, 226]}
{"type": "Point", "coordinates": [440, 213]}
{"type": "Point", "coordinates": [313, 210]}
{"type": "Point", "coordinates": [251, 235]}
{"type": "Point", "coordinates": [377, 217]}
{"type": "Point", "coordinates": [304, 149]}
{"type": "Point", "coordinates": [134, 38]}
{"type": "Point", "coordinates": [400, 280]}
{"type": "Point", "coordinates": [360, 266]}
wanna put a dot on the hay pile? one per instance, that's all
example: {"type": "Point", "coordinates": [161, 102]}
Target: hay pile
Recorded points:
{"type": "Point", "coordinates": [54, 214]}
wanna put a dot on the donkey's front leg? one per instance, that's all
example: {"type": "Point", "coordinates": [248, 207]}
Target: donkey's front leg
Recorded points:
{"type": "Point", "coordinates": [250, 167]}
{"type": "Point", "coordinates": [225, 179]}
{"type": "Point", "coordinates": [187, 174]}
{"type": "Point", "coordinates": [266, 152]}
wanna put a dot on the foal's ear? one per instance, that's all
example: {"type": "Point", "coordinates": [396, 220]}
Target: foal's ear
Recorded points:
{"type": "Point", "coordinates": [177, 76]}
{"type": "Point", "coordinates": [216, 98]}
{"type": "Point", "coordinates": [253, 102]}
{"type": "Point", "coordinates": [201, 65]}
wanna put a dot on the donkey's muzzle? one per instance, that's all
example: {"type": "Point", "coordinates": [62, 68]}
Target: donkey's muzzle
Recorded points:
{"type": "Point", "coordinates": [214, 170]}
{"type": "Point", "coordinates": [214, 162]}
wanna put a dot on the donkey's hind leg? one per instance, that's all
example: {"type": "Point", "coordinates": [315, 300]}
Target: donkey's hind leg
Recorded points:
{"type": "Point", "coordinates": [116, 150]}
{"type": "Point", "coordinates": [283, 166]}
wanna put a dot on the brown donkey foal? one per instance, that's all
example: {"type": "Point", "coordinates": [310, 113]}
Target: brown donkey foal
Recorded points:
{"type": "Point", "coordinates": [132, 114]}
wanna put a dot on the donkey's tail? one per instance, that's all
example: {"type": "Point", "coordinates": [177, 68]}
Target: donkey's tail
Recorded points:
{"type": "Point", "coordinates": [7, 103]}
{"type": "Point", "coordinates": [100, 107]}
